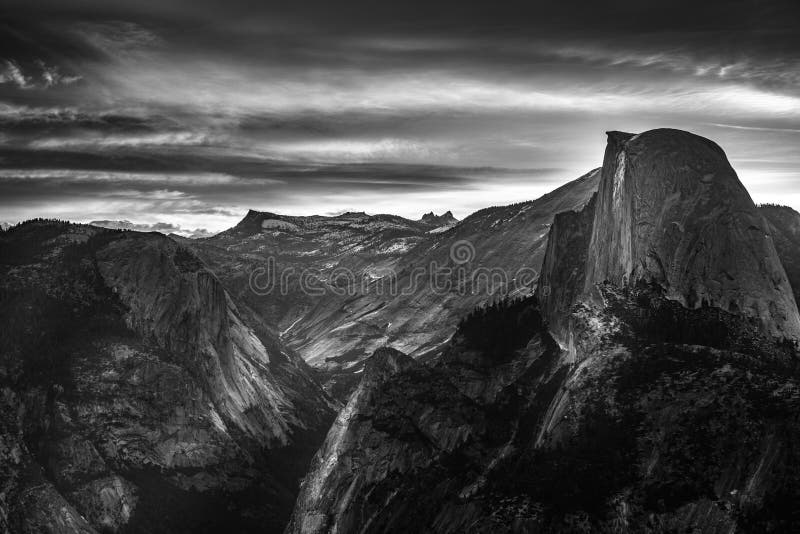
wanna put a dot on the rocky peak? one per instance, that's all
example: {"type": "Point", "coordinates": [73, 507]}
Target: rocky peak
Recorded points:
{"type": "Point", "coordinates": [445, 219]}
{"type": "Point", "coordinates": [670, 210]}
{"type": "Point", "coordinates": [250, 223]}
{"type": "Point", "coordinates": [386, 362]}
{"type": "Point", "coordinates": [353, 214]}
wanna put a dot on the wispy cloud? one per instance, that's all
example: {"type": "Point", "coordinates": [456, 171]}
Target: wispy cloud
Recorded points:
{"type": "Point", "coordinates": [117, 37]}
{"type": "Point", "coordinates": [38, 76]}
{"type": "Point", "coordinates": [166, 139]}
{"type": "Point", "coordinates": [756, 128]}
{"type": "Point", "coordinates": [72, 175]}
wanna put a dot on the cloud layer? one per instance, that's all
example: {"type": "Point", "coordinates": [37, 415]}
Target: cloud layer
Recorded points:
{"type": "Point", "coordinates": [190, 113]}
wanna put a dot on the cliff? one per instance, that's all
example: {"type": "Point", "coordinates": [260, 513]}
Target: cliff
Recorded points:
{"type": "Point", "coordinates": [671, 211]}
{"type": "Point", "coordinates": [784, 226]}
{"type": "Point", "coordinates": [137, 395]}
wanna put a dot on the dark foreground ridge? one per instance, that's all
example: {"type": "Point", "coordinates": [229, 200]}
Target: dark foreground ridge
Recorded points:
{"type": "Point", "coordinates": [137, 396]}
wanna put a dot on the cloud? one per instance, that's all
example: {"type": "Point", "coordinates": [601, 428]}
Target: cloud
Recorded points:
{"type": "Point", "coordinates": [117, 36]}
{"type": "Point", "coordinates": [38, 76]}
{"type": "Point", "coordinates": [13, 74]}
{"type": "Point", "coordinates": [76, 176]}
{"type": "Point", "coordinates": [756, 128]}
{"type": "Point", "coordinates": [191, 111]}
{"type": "Point", "coordinates": [164, 139]}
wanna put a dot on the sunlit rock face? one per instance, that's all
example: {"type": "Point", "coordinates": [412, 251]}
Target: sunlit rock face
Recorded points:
{"type": "Point", "coordinates": [137, 395]}
{"type": "Point", "coordinates": [670, 210]}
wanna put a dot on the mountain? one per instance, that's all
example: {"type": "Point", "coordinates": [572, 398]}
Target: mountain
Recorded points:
{"type": "Point", "coordinates": [637, 411]}
{"type": "Point", "coordinates": [357, 243]}
{"type": "Point", "coordinates": [492, 252]}
{"type": "Point", "coordinates": [383, 279]}
{"type": "Point", "coordinates": [439, 223]}
{"type": "Point", "coordinates": [671, 211]}
{"type": "Point", "coordinates": [162, 227]}
{"type": "Point", "coordinates": [138, 394]}
{"type": "Point", "coordinates": [784, 227]}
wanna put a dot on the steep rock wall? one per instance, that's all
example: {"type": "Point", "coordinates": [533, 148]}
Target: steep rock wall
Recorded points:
{"type": "Point", "coordinates": [564, 270]}
{"type": "Point", "coordinates": [670, 210]}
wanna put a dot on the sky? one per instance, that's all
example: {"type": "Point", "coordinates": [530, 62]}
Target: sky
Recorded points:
{"type": "Point", "coordinates": [182, 115]}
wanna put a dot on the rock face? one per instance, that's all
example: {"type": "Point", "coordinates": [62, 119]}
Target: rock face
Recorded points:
{"type": "Point", "coordinates": [671, 211]}
{"type": "Point", "coordinates": [439, 222]}
{"type": "Point", "coordinates": [409, 440]}
{"type": "Point", "coordinates": [138, 396]}
{"type": "Point", "coordinates": [784, 227]}
{"type": "Point", "coordinates": [564, 270]}
{"type": "Point", "coordinates": [345, 444]}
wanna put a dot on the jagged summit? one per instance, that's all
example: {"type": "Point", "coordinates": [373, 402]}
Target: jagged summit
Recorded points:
{"type": "Point", "coordinates": [445, 219]}
{"type": "Point", "coordinates": [670, 210]}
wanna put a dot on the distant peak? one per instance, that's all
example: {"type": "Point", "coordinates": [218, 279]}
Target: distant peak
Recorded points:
{"type": "Point", "coordinates": [439, 220]}
{"type": "Point", "coordinates": [251, 214]}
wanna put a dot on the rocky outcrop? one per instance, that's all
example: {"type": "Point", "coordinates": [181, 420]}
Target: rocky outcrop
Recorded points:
{"type": "Point", "coordinates": [172, 299]}
{"type": "Point", "coordinates": [670, 210]}
{"type": "Point", "coordinates": [784, 226]}
{"type": "Point", "coordinates": [444, 220]}
{"type": "Point", "coordinates": [564, 270]}
{"type": "Point", "coordinates": [144, 398]}
{"type": "Point", "coordinates": [330, 483]}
